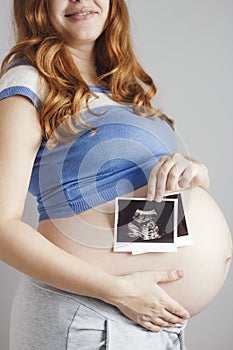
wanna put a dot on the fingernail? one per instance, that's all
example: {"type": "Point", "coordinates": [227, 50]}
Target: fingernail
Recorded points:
{"type": "Point", "coordinates": [180, 273]}
{"type": "Point", "coordinates": [183, 184]}
{"type": "Point", "coordinates": [158, 198]}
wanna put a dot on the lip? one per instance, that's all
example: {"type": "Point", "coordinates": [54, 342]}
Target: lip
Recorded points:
{"type": "Point", "coordinates": [80, 13]}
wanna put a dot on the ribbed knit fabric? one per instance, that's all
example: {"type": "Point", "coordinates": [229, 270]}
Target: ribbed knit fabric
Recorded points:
{"type": "Point", "coordinates": [93, 168]}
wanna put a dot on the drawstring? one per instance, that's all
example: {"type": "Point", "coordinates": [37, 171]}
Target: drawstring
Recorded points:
{"type": "Point", "coordinates": [181, 339]}
{"type": "Point", "coordinates": [179, 330]}
{"type": "Point", "coordinates": [108, 334]}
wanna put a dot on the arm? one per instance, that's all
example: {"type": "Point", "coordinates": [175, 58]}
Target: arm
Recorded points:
{"type": "Point", "coordinates": [137, 295]}
{"type": "Point", "coordinates": [20, 245]}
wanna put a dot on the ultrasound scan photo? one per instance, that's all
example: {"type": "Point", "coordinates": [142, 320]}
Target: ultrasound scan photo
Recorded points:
{"type": "Point", "coordinates": [149, 226]}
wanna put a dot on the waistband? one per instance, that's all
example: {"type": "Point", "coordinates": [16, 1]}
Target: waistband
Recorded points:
{"type": "Point", "coordinates": [107, 310]}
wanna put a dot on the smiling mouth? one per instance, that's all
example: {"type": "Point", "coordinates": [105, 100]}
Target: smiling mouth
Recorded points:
{"type": "Point", "coordinates": [80, 14]}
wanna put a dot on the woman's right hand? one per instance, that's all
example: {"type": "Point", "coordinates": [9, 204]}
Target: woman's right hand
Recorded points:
{"type": "Point", "coordinates": [140, 298]}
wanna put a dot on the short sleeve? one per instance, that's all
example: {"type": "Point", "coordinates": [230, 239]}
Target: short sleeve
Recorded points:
{"type": "Point", "coordinates": [23, 80]}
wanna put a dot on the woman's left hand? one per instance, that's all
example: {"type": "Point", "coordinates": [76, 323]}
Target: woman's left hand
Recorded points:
{"type": "Point", "coordinates": [175, 172]}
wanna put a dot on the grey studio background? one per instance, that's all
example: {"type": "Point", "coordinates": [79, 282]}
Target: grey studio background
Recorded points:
{"type": "Point", "coordinates": [187, 47]}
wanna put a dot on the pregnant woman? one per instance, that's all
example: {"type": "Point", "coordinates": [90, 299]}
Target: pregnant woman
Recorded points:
{"type": "Point", "coordinates": [77, 130]}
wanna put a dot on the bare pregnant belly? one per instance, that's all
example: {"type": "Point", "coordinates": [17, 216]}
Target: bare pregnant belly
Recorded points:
{"type": "Point", "coordinates": [89, 235]}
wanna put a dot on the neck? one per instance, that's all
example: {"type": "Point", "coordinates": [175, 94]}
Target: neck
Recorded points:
{"type": "Point", "coordinates": [85, 62]}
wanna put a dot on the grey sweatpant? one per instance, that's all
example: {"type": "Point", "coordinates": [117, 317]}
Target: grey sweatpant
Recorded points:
{"type": "Point", "coordinates": [46, 318]}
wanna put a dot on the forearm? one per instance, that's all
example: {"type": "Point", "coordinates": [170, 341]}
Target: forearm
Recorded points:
{"type": "Point", "coordinates": [28, 251]}
{"type": "Point", "coordinates": [136, 295]}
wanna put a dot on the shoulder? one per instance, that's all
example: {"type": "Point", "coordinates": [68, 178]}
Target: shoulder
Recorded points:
{"type": "Point", "coordinates": [23, 79]}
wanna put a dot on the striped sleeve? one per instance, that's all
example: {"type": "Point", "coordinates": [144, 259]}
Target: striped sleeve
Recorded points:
{"type": "Point", "coordinates": [23, 80]}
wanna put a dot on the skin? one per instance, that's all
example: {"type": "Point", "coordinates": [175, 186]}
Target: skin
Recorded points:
{"type": "Point", "coordinates": [80, 32]}
{"type": "Point", "coordinates": [174, 172]}
{"type": "Point", "coordinates": [46, 254]}
{"type": "Point", "coordinates": [30, 251]}
{"type": "Point", "coordinates": [89, 235]}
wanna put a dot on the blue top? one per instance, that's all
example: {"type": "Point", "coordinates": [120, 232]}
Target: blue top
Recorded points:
{"type": "Point", "coordinates": [91, 169]}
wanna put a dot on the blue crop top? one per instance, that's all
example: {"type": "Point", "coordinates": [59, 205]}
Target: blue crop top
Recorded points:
{"type": "Point", "coordinates": [91, 169]}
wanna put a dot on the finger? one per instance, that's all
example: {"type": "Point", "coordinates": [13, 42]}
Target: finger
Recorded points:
{"type": "Point", "coordinates": [162, 323]}
{"type": "Point", "coordinates": [177, 172]}
{"type": "Point", "coordinates": [175, 309]}
{"type": "Point", "coordinates": [153, 178]}
{"type": "Point", "coordinates": [195, 182]}
{"type": "Point", "coordinates": [168, 276]}
{"type": "Point", "coordinates": [199, 174]}
{"type": "Point", "coordinates": [171, 318]}
{"type": "Point", "coordinates": [151, 327]}
{"type": "Point", "coordinates": [172, 307]}
{"type": "Point", "coordinates": [172, 180]}
{"type": "Point", "coordinates": [186, 177]}
{"type": "Point", "coordinates": [162, 176]}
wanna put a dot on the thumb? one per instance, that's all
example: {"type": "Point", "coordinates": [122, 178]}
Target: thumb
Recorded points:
{"type": "Point", "coordinates": [168, 276]}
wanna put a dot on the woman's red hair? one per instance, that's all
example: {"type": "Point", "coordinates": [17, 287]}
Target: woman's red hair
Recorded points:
{"type": "Point", "coordinates": [117, 67]}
